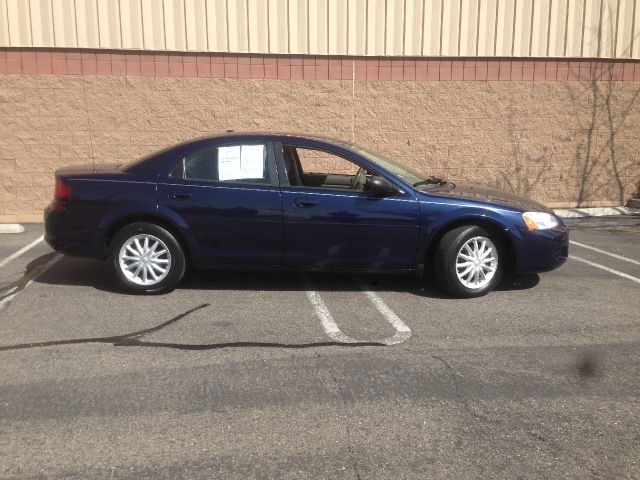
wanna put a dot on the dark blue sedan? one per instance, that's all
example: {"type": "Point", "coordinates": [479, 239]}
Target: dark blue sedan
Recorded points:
{"type": "Point", "coordinates": [256, 200]}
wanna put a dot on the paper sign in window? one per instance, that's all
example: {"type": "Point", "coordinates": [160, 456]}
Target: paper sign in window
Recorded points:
{"type": "Point", "coordinates": [252, 161]}
{"type": "Point", "coordinates": [229, 163]}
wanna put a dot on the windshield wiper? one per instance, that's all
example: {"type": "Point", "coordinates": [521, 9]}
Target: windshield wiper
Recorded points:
{"type": "Point", "coordinates": [431, 181]}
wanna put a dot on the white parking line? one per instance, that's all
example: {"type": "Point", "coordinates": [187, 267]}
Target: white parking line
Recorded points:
{"type": "Point", "coordinates": [606, 269]}
{"type": "Point", "coordinates": [403, 332]}
{"type": "Point", "coordinates": [15, 255]}
{"type": "Point", "coordinates": [604, 252]}
{"type": "Point", "coordinates": [326, 319]}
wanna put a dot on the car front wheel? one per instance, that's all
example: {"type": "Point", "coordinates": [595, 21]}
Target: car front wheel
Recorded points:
{"type": "Point", "coordinates": [467, 262]}
{"type": "Point", "coordinates": [147, 258]}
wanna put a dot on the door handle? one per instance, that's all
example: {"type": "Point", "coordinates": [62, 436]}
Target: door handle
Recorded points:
{"type": "Point", "coordinates": [180, 196]}
{"type": "Point", "coordinates": [305, 203]}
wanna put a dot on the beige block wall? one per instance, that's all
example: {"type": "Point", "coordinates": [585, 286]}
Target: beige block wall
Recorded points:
{"type": "Point", "coordinates": [564, 143]}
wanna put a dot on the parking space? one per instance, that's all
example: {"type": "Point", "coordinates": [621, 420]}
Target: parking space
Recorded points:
{"type": "Point", "coordinates": [255, 374]}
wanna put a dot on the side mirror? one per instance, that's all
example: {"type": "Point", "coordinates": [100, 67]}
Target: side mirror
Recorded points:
{"type": "Point", "coordinates": [379, 186]}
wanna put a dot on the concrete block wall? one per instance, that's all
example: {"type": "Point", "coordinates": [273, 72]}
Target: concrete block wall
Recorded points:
{"type": "Point", "coordinates": [564, 133]}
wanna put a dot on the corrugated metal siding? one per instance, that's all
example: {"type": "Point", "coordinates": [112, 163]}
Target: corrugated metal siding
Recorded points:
{"type": "Point", "coordinates": [520, 28]}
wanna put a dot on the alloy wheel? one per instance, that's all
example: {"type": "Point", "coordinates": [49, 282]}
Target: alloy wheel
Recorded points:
{"type": "Point", "coordinates": [476, 262]}
{"type": "Point", "coordinates": [144, 259]}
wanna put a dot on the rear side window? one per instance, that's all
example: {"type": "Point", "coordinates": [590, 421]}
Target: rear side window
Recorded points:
{"type": "Point", "coordinates": [246, 163]}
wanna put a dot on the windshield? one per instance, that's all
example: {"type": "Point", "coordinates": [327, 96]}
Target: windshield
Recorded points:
{"type": "Point", "coordinates": [401, 171]}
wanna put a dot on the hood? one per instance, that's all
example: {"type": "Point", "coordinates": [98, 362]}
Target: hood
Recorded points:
{"type": "Point", "coordinates": [479, 193]}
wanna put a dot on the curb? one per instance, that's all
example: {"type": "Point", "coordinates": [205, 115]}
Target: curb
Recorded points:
{"type": "Point", "coordinates": [11, 228]}
{"type": "Point", "coordinates": [593, 212]}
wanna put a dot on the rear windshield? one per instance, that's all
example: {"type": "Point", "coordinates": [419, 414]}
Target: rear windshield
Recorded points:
{"type": "Point", "coordinates": [129, 166]}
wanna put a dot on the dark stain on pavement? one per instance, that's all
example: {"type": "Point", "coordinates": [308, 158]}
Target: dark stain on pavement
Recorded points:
{"type": "Point", "coordinates": [588, 366]}
{"type": "Point", "coordinates": [34, 269]}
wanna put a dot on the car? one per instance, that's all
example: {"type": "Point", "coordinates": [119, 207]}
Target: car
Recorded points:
{"type": "Point", "coordinates": [295, 202]}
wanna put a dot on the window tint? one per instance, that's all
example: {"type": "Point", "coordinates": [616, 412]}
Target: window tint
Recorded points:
{"type": "Point", "coordinates": [230, 163]}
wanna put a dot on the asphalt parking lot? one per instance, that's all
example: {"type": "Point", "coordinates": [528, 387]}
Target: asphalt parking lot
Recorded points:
{"type": "Point", "coordinates": [280, 375]}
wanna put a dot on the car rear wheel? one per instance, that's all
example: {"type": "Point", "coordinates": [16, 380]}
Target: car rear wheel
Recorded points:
{"type": "Point", "coordinates": [147, 258]}
{"type": "Point", "coordinates": [467, 262]}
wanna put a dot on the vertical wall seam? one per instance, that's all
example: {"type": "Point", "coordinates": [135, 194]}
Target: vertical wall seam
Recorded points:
{"type": "Point", "coordinates": [633, 27]}
{"type": "Point", "coordinates": [549, 27]}
{"type": "Point", "coordinates": [97, 22]}
{"type": "Point", "coordinates": [268, 28]}
{"type": "Point", "coordinates": [495, 29]}
{"type": "Point", "coordinates": [142, 22]}
{"type": "Point", "coordinates": [513, 26]}
{"type": "Point", "coordinates": [206, 23]}
{"type": "Point", "coordinates": [584, 16]}
{"type": "Point", "coordinates": [384, 38]}
{"type": "Point", "coordinates": [478, 27]}
{"type": "Point", "coordinates": [30, 22]}
{"type": "Point", "coordinates": [441, 27]}
{"type": "Point", "coordinates": [9, 23]}
{"type": "Point", "coordinates": [327, 14]}
{"type": "Point", "coordinates": [226, 19]}
{"type": "Point", "coordinates": [347, 39]}
{"type": "Point", "coordinates": [424, 15]}
{"type": "Point", "coordinates": [600, 28]}
{"type": "Point", "coordinates": [404, 28]}
{"type": "Point", "coordinates": [75, 17]}
{"type": "Point", "coordinates": [532, 13]}
{"type": "Point", "coordinates": [366, 27]}
{"type": "Point", "coordinates": [615, 33]}
{"type": "Point", "coordinates": [566, 30]}
{"type": "Point", "coordinates": [459, 25]}
{"type": "Point", "coordinates": [164, 26]}
{"type": "Point", "coordinates": [246, 15]}
{"type": "Point", "coordinates": [288, 26]}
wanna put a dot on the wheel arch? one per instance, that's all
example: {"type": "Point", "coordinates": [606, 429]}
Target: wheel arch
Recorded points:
{"type": "Point", "coordinates": [491, 225]}
{"type": "Point", "coordinates": [120, 223]}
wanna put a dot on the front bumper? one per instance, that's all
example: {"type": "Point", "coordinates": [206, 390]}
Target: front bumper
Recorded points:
{"type": "Point", "coordinates": [542, 250]}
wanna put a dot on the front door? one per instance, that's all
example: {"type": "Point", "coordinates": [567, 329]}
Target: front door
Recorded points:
{"type": "Point", "coordinates": [331, 221]}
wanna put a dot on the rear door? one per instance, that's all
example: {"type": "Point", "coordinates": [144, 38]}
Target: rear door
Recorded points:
{"type": "Point", "coordinates": [230, 199]}
{"type": "Point", "coordinates": [330, 222]}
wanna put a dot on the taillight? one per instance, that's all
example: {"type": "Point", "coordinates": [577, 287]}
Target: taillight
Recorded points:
{"type": "Point", "coordinates": [63, 192]}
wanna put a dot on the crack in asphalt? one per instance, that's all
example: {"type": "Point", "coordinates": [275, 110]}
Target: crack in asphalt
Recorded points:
{"type": "Point", "coordinates": [461, 397]}
{"type": "Point", "coordinates": [115, 340]}
{"type": "Point", "coordinates": [548, 442]}
{"type": "Point", "coordinates": [350, 451]}
{"type": "Point", "coordinates": [133, 339]}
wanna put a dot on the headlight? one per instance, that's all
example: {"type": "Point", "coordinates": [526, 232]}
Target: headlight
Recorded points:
{"type": "Point", "coordinates": [539, 220]}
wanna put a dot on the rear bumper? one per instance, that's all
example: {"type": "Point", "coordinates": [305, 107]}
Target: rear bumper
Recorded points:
{"type": "Point", "coordinates": [63, 236]}
{"type": "Point", "coordinates": [542, 250]}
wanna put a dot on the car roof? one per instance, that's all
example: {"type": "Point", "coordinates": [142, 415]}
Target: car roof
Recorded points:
{"type": "Point", "coordinates": [270, 136]}
{"type": "Point", "coordinates": [147, 163]}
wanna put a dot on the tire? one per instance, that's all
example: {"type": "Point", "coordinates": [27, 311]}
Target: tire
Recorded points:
{"type": "Point", "coordinates": [461, 253]}
{"type": "Point", "coordinates": [152, 248]}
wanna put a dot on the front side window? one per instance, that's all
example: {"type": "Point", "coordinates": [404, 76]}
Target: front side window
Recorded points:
{"type": "Point", "coordinates": [247, 163]}
{"type": "Point", "coordinates": [312, 168]}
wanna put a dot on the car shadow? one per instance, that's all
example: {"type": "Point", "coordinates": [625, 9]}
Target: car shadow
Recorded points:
{"type": "Point", "coordinates": [59, 270]}
{"type": "Point", "coordinates": [73, 271]}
